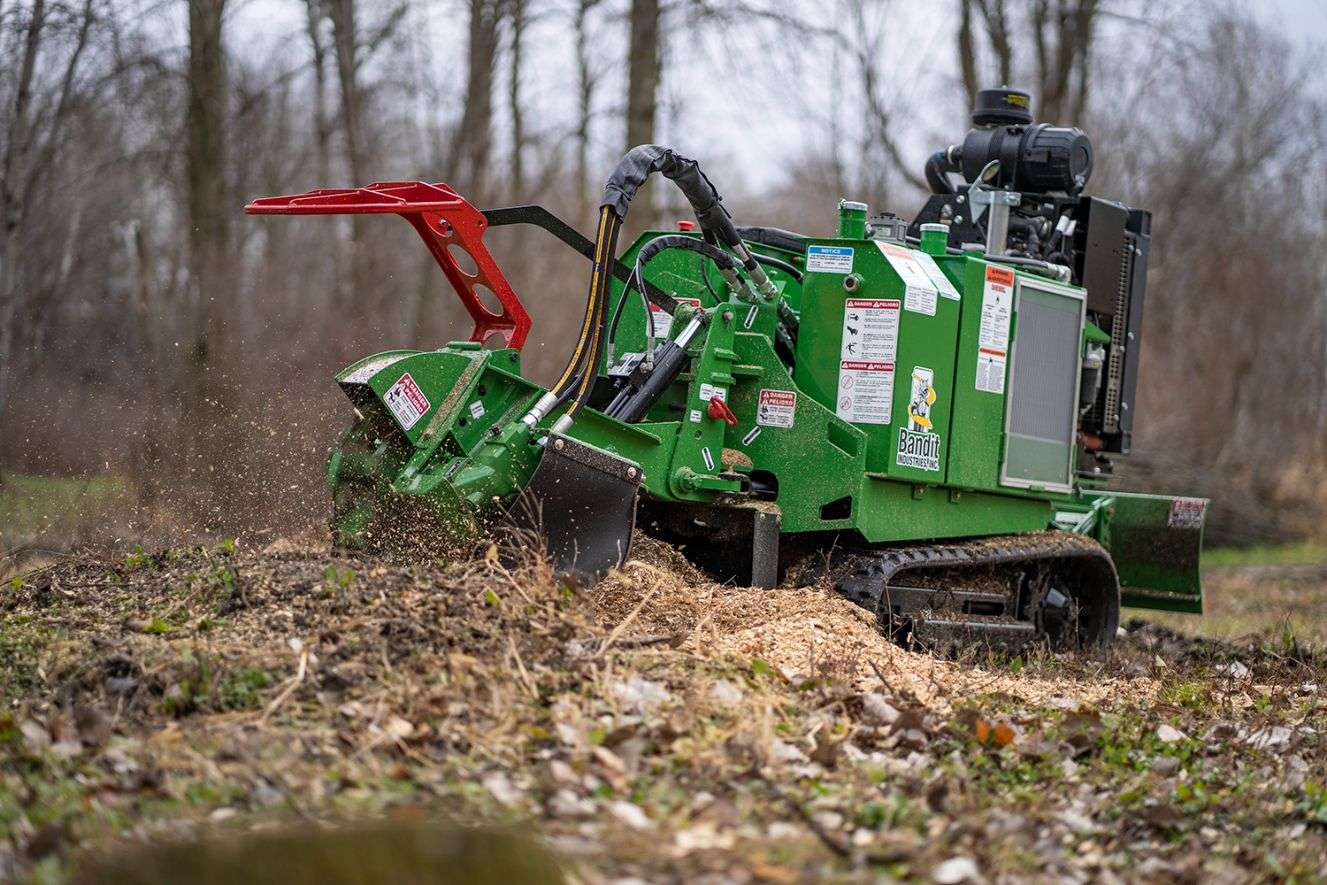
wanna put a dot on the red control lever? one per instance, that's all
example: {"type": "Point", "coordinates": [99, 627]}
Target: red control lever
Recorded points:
{"type": "Point", "coordinates": [719, 410]}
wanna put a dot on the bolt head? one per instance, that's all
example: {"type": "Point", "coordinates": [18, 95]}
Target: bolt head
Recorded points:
{"type": "Point", "coordinates": [631, 473]}
{"type": "Point", "coordinates": [559, 444]}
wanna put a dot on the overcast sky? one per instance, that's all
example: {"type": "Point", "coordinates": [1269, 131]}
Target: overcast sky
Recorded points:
{"type": "Point", "coordinates": [725, 99]}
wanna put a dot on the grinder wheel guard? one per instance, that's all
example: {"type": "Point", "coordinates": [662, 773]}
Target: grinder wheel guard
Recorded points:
{"type": "Point", "coordinates": [581, 501]}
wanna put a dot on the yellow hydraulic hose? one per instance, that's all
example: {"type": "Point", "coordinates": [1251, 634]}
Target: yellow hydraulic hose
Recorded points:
{"type": "Point", "coordinates": [590, 324]}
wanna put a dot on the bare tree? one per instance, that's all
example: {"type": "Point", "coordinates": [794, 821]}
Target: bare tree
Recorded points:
{"type": "Point", "coordinates": [644, 71]}
{"type": "Point", "coordinates": [322, 126]}
{"type": "Point", "coordinates": [473, 145]}
{"type": "Point", "coordinates": [587, 80]}
{"type": "Point", "coordinates": [518, 18]}
{"type": "Point", "coordinates": [210, 256]}
{"type": "Point", "coordinates": [1060, 33]}
{"type": "Point", "coordinates": [32, 132]}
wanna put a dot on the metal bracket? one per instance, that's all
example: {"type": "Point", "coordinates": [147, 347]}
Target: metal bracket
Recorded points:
{"type": "Point", "coordinates": [445, 221]}
{"type": "Point", "coordinates": [997, 226]}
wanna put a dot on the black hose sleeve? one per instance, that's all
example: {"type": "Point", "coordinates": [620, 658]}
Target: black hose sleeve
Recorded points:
{"type": "Point", "coordinates": [652, 249]}
{"type": "Point", "coordinates": [937, 165]}
{"type": "Point", "coordinates": [677, 241]}
{"type": "Point", "coordinates": [643, 161]}
{"type": "Point", "coordinates": [777, 237]}
{"type": "Point", "coordinates": [779, 263]}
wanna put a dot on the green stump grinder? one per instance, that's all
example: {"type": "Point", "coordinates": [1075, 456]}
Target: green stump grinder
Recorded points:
{"type": "Point", "coordinates": [923, 410]}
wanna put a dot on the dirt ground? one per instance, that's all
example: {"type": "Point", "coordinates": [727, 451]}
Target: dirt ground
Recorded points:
{"type": "Point", "coordinates": [652, 727]}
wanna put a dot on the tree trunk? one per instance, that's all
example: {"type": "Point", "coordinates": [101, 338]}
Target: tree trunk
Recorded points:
{"type": "Point", "coordinates": [150, 449]}
{"type": "Point", "coordinates": [322, 127]}
{"type": "Point", "coordinates": [18, 139]}
{"type": "Point", "coordinates": [360, 302]}
{"type": "Point", "coordinates": [212, 419]}
{"type": "Point", "coordinates": [586, 80]}
{"type": "Point", "coordinates": [517, 12]}
{"type": "Point", "coordinates": [643, 72]}
{"type": "Point", "coordinates": [967, 52]}
{"type": "Point", "coordinates": [475, 137]}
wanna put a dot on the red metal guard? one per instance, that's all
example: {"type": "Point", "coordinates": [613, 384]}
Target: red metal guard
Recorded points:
{"type": "Point", "coordinates": [443, 219]}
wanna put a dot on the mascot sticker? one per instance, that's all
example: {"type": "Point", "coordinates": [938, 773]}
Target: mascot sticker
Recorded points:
{"type": "Point", "coordinates": [918, 443]}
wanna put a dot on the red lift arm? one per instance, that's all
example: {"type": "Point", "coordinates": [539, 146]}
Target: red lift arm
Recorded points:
{"type": "Point", "coordinates": [443, 219]}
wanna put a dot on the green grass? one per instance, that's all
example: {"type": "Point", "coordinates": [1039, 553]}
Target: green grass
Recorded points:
{"type": "Point", "coordinates": [1300, 553]}
{"type": "Point", "coordinates": [33, 506]}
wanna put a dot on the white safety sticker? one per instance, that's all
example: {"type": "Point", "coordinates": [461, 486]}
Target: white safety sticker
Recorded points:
{"type": "Point", "coordinates": [695, 416]}
{"type": "Point", "coordinates": [997, 306]}
{"type": "Point", "coordinates": [829, 259]}
{"type": "Point", "coordinates": [661, 320]}
{"type": "Point", "coordinates": [866, 391]}
{"type": "Point", "coordinates": [867, 352]}
{"type": "Point", "coordinates": [751, 436]}
{"type": "Point", "coordinates": [919, 292]}
{"type": "Point", "coordinates": [937, 276]}
{"type": "Point", "coordinates": [870, 329]}
{"type": "Point", "coordinates": [709, 459]}
{"type": "Point", "coordinates": [1187, 513]}
{"type": "Point", "coordinates": [406, 402]}
{"type": "Point", "coordinates": [750, 317]}
{"type": "Point", "coordinates": [990, 370]}
{"type": "Point", "coordinates": [709, 392]}
{"type": "Point", "coordinates": [476, 409]}
{"type": "Point", "coordinates": [776, 408]}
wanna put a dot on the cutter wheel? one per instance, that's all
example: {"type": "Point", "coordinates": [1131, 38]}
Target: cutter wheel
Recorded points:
{"type": "Point", "coordinates": [1053, 589]}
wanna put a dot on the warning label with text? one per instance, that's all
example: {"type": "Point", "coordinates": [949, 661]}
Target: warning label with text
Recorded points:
{"type": "Point", "coordinates": [867, 352]}
{"type": "Point", "coordinates": [997, 306]}
{"type": "Point", "coordinates": [406, 401]}
{"type": "Point", "coordinates": [777, 408]}
{"type": "Point", "coordinates": [919, 292]}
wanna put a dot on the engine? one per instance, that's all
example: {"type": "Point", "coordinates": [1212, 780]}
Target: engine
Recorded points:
{"type": "Point", "coordinates": [1021, 198]}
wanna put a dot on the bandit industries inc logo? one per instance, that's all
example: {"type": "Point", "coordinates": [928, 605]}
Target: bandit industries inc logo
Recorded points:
{"type": "Point", "coordinates": [918, 443]}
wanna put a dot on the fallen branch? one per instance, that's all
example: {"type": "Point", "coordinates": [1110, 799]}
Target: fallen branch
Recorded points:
{"type": "Point", "coordinates": [289, 689]}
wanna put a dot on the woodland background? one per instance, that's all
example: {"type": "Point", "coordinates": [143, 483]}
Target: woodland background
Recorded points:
{"type": "Point", "coordinates": [172, 357]}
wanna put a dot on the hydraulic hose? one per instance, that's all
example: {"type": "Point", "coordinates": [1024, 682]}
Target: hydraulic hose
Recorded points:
{"type": "Point", "coordinates": [577, 378]}
{"type": "Point", "coordinates": [771, 261]}
{"type": "Point", "coordinates": [581, 364]}
{"type": "Point", "coordinates": [643, 161]}
{"type": "Point", "coordinates": [726, 263]}
{"type": "Point", "coordinates": [938, 165]}
{"type": "Point", "coordinates": [583, 380]}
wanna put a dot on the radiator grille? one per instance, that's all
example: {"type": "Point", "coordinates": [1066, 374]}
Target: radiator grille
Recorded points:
{"type": "Point", "coordinates": [1043, 387]}
{"type": "Point", "coordinates": [1118, 331]}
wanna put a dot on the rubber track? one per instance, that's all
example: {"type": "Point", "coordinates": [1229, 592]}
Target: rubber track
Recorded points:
{"type": "Point", "coordinates": [862, 576]}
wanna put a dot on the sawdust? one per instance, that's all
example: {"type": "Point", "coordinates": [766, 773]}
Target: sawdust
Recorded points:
{"type": "Point", "coordinates": [810, 632]}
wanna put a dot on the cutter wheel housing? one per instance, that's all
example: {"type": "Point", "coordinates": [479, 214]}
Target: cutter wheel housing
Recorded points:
{"type": "Point", "coordinates": [930, 405]}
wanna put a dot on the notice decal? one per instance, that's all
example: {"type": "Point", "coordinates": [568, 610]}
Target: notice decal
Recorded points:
{"type": "Point", "coordinates": [406, 402]}
{"type": "Point", "coordinates": [829, 259]}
